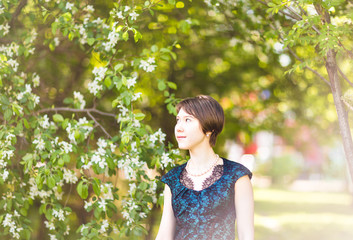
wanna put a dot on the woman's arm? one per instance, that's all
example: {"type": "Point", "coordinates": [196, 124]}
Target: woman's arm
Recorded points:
{"type": "Point", "coordinates": [244, 206]}
{"type": "Point", "coordinates": [167, 226]}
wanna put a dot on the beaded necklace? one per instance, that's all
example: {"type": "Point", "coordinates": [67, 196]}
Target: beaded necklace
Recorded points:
{"type": "Point", "coordinates": [203, 173]}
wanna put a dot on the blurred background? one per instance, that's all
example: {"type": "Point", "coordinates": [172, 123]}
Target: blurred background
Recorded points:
{"type": "Point", "coordinates": [281, 125]}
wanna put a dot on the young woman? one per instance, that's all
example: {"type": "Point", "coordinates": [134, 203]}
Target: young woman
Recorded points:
{"type": "Point", "coordinates": [203, 197]}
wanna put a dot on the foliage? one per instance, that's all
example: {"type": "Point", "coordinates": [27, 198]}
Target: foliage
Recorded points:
{"type": "Point", "coordinates": [46, 152]}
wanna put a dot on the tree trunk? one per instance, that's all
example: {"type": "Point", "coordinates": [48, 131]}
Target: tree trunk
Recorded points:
{"type": "Point", "coordinates": [331, 67]}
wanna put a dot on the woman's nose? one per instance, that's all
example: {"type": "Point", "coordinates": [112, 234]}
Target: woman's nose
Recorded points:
{"type": "Point", "coordinates": [178, 127]}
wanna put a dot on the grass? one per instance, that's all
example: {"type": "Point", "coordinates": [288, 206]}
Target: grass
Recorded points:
{"type": "Point", "coordinates": [281, 214]}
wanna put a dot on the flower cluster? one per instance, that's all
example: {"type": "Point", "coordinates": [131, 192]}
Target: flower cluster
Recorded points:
{"type": "Point", "coordinates": [27, 93]}
{"type": "Point", "coordinates": [98, 157]}
{"type": "Point", "coordinates": [148, 65]}
{"type": "Point", "coordinates": [69, 176]}
{"type": "Point", "coordinates": [158, 136]}
{"type": "Point", "coordinates": [5, 28]}
{"type": "Point", "coordinates": [9, 221]}
{"type": "Point", "coordinates": [79, 128]}
{"type": "Point", "coordinates": [129, 163]}
{"type": "Point", "coordinates": [94, 87]}
{"type": "Point", "coordinates": [79, 100]}
{"type": "Point", "coordinates": [129, 206]}
{"type": "Point", "coordinates": [166, 160]}
{"type": "Point", "coordinates": [6, 153]}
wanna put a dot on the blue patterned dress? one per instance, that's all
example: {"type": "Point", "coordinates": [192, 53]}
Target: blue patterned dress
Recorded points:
{"type": "Point", "coordinates": [208, 214]}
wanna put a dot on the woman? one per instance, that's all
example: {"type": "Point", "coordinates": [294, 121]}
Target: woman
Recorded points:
{"type": "Point", "coordinates": [203, 197]}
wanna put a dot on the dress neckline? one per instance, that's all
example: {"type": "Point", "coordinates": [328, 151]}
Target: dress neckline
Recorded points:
{"type": "Point", "coordinates": [199, 191]}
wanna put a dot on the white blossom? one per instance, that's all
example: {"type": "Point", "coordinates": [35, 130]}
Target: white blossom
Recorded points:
{"type": "Point", "coordinates": [59, 214]}
{"type": "Point", "coordinates": [104, 226]}
{"type": "Point", "coordinates": [69, 6]}
{"type": "Point", "coordinates": [35, 99]}
{"type": "Point", "coordinates": [89, 8]}
{"type": "Point", "coordinates": [49, 225]}
{"type": "Point", "coordinates": [106, 192]}
{"type": "Point", "coordinates": [132, 188]}
{"type": "Point", "coordinates": [4, 175]}
{"type": "Point", "coordinates": [52, 237]}
{"type": "Point", "coordinates": [5, 28]}
{"type": "Point", "coordinates": [44, 122]}
{"type": "Point", "coordinates": [136, 96]}
{"type": "Point", "coordinates": [99, 73]}
{"type": "Point", "coordinates": [148, 65]}
{"type": "Point", "coordinates": [102, 143]}
{"type": "Point", "coordinates": [130, 82]}
{"type": "Point", "coordinates": [87, 205]}
{"type": "Point", "coordinates": [35, 80]}
{"type": "Point", "coordinates": [94, 87]}
{"type": "Point", "coordinates": [65, 147]}
{"type": "Point", "coordinates": [166, 160]}
{"type": "Point", "coordinates": [56, 41]}
{"type": "Point", "coordinates": [13, 63]}
{"type": "Point", "coordinates": [69, 176]}
{"type": "Point", "coordinates": [98, 21]}
{"type": "Point", "coordinates": [102, 204]}
{"type": "Point", "coordinates": [133, 16]}
{"type": "Point", "coordinates": [39, 142]}
{"type": "Point", "coordinates": [120, 15]}
{"type": "Point", "coordinates": [127, 8]}
{"type": "Point", "coordinates": [80, 99]}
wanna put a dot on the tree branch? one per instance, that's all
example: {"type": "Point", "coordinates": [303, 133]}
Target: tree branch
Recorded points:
{"type": "Point", "coordinates": [296, 16]}
{"type": "Point", "coordinates": [344, 76]}
{"type": "Point", "coordinates": [284, 13]}
{"type": "Point", "coordinates": [98, 124]}
{"type": "Point", "coordinates": [309, 68]}
{"type": "Point", "coordinates": [87, 110]}
{"type": "Point", "coordinates": [299, 59]}
{"type": "Point", "coordinates": [19, 8]}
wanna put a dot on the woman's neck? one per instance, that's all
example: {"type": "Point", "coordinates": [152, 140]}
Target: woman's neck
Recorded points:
{"type": "Point", "coordinates": [202, 159]}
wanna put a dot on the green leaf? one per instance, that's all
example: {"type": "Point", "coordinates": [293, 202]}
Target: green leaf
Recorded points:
{"type": "Point", "coordinates": [118, 67]}
{"type": "Point", "coordinates": [27, 157]}
{"type": "Point", "coordinates": [90, 41]}
{"type": "Point", "coordinates": [54, 27]}
{"type": "Point", "coordinates": [137, 36]}
{"type": "Point", "coordinates": [96, 188]}
{"type": "Point", "coordinates": [58, 118]}
{"type": "Point", "coordinates": [25, 122]}
{"type": "Point", "coordinates": [66, 158]}
{"type": "Point", "coordinates": [143, 186]}
{"type": "Point", "coordinates": [82, 189]}
{"type": "Point", "coordinates": [51, 182]}
{"type": "Point", "coordinates": [61, 162]}
{"type": "Point", "coordinates": [126, 36]}
{"type": "Point", "coordinates": [139, 116]}
{"type": "Point", "coordinates": [161, 85]}
{"type": "Point", "coordinates": [154, 48]}
{"type": "Point", "coordinates": [8, 114]}
{"type": "Point", "coordinates": [172, 85]}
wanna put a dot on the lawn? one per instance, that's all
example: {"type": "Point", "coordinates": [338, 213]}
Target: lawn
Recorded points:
{"type": "Point", "coordinates": [289, 215]}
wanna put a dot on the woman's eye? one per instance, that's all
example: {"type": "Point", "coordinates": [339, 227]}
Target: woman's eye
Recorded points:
{"type": "Point", "coordinates": [187, 120]}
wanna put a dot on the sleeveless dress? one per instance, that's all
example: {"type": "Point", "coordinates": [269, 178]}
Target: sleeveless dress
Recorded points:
{"type": "Point", "coordinates": [208, 214]}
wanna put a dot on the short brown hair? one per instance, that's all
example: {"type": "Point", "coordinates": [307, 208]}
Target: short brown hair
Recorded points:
{"type": "Point", "coordinates": [208, 111]}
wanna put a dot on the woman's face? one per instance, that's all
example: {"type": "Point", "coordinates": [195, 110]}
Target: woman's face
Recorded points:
{"type": "Point", "coordinates": [188, 131]}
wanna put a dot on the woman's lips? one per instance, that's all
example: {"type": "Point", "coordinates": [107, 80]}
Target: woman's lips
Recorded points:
{"type": "Point", "coordinates": [181, 137]}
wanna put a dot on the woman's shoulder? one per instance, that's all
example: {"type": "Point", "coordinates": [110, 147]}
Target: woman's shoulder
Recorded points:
{"type": "Point", "coordinates": [235, 169]}
{"type": "Point", "coordinates": [173, 173]}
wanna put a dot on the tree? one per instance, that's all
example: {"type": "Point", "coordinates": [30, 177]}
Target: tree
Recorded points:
{"type": "Point", "coordinates": [67, 132]}
{"type": "Point", "coordinates": [317, 35]}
